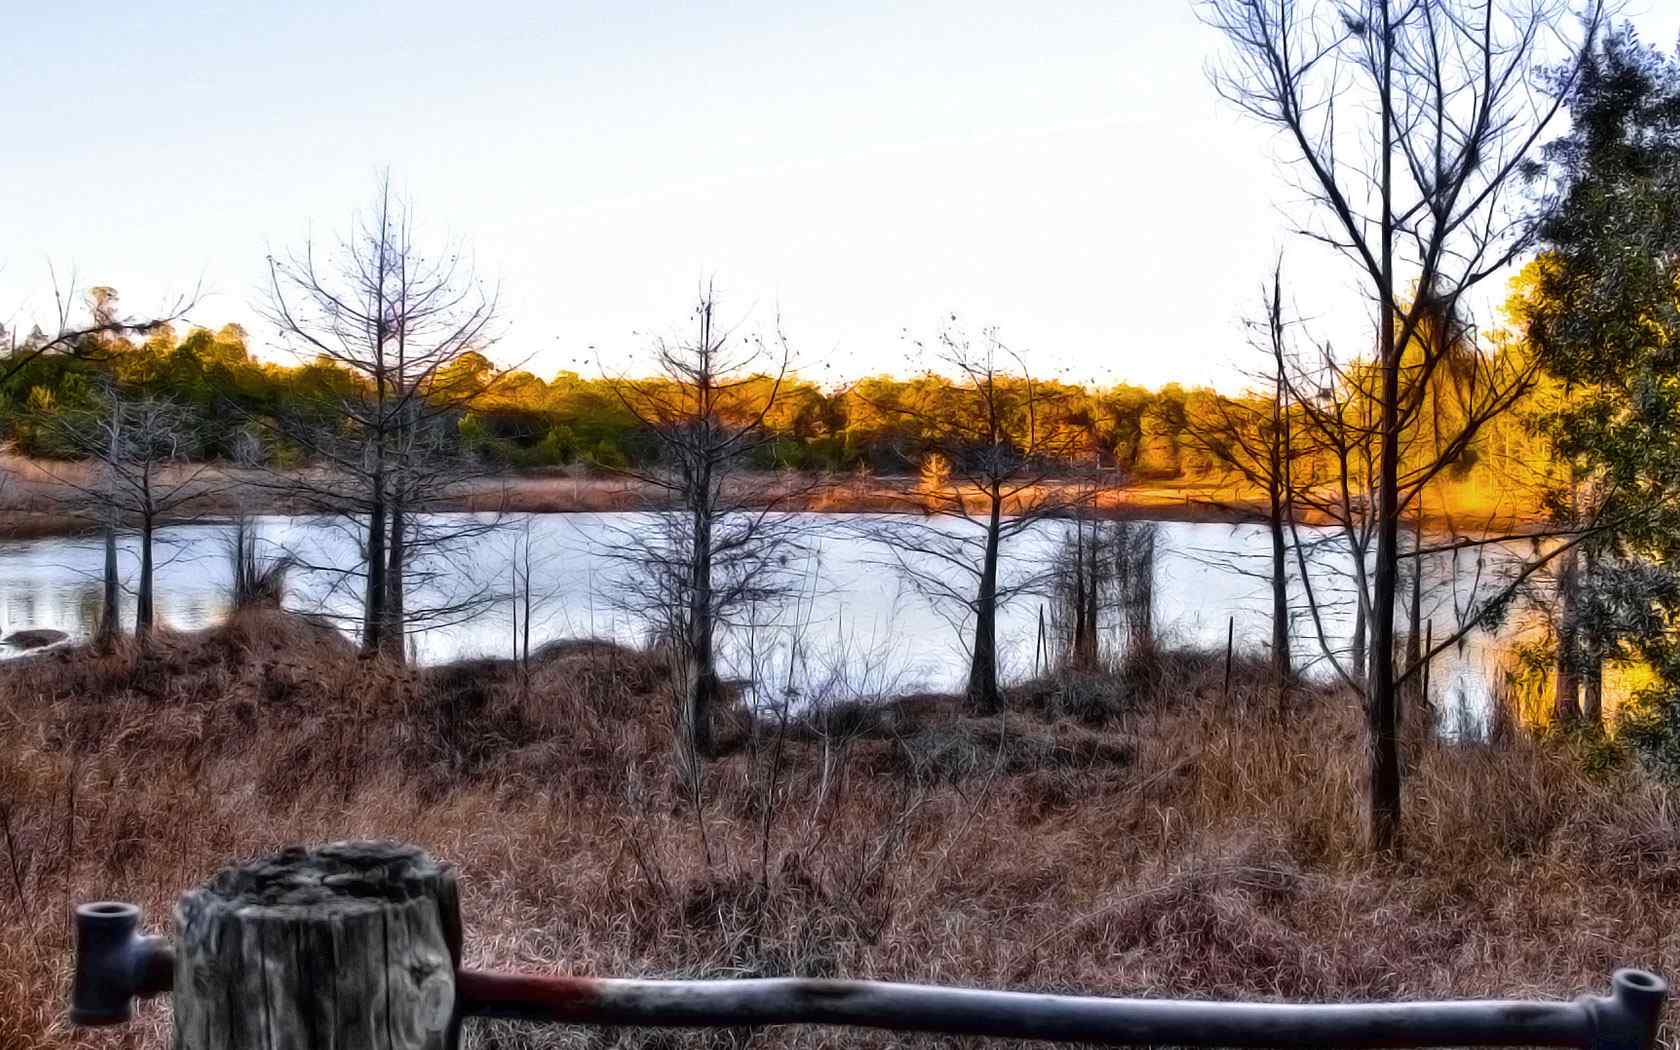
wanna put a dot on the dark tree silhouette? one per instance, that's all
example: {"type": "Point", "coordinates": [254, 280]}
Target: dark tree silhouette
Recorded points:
{"type": "Point", "coordinates": [1004, 470]}
{"type": "Point", "coordinates": [1254, 438]}
{"type": "Point", "coordinates": [721, 542]}
{"type": "Point", "coordinates": [409, 326]}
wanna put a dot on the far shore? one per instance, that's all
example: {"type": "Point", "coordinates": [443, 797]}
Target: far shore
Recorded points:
{"type": "Point", "coordinates": [38, 499]}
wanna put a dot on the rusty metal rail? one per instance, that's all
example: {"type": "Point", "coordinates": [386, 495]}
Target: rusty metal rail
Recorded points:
{"type": "Point", "coordinates": [115, 965]}
{"type": "Point", "coordinates": [1626, 1019]}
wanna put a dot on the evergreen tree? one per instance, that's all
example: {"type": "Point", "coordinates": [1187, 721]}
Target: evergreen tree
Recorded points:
{"type": "Point", "coordinates": [1604, 318]}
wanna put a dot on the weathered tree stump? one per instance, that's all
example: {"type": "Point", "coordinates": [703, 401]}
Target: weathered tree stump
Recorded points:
{"type": "Point", "coordinates": [352, 946]}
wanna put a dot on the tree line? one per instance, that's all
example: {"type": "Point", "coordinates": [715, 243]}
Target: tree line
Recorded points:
{"type": "Point", "coordinates": [515, 419]}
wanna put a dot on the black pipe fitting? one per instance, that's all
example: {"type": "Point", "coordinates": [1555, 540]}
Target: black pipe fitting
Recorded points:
{"type": "Point", "coordinates": [1627, 1018]}
{"type": "Point", "coordinates": [115, 964]}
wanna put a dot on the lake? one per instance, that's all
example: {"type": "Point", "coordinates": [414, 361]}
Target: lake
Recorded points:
{"type": "Point", "coordinates": [857, 629]}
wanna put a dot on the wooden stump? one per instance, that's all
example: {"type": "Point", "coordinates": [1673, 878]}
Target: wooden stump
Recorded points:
{"type": "Point", "coordinates": [351, 946]}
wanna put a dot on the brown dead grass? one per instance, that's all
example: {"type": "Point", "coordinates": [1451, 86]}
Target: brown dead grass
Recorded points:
{"type": "Point", "coordinates": [1141, 834]}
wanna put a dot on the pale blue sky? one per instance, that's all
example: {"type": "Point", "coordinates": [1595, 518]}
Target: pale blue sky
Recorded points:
{"type": "Point", "coordinates": [1063, 171]}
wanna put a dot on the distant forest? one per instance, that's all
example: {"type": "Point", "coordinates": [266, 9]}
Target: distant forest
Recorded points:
{"type": "Point", "coordinates": [517, 419]}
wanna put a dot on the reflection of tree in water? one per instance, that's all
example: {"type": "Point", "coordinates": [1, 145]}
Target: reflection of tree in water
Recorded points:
{"type": "Point", "coordinates": [198, 609]}
{"type": "Point", "coordinates": [881, 639]}
{"type": "Point", "coordinates": [21, 609]}
{"type": "Point", "coordinates": [81, 607]}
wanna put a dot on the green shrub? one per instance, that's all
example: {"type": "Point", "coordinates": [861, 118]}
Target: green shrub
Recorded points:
{"type": "Point", "coordinates": [557, 448]}
{"type": "Point", "coordinates": [608, 456]}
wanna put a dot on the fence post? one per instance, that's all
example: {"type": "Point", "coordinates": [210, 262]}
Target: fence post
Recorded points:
{"type": "Point", "coordinates": [353, 946]}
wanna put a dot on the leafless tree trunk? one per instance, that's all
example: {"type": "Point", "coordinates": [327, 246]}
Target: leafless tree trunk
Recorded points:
{"type": "Point", "coordinates": [1282, 662]}
{"type": "Point", "coordinates": [374, 618]}
{"type": "Point", "coordinates": [110, 611]}
{"type": "Point", "coordinates": [1413, 694]}
{"type": "Point", "coordinates": [1360, 645]}
{"type": "Point", "coordinates": [145, 614]}
{"type": "Point", "coordinates": [1566, 700]}
{"type": "Point", "coordinates": [983, 692]}
{"type": "Point", "coordinates": [1592, 653]}
{"type": "Point", "coordinates": [701, 687]}
{"type": "Point", "coordinates": [407, 442]}
{"type": "Point", "coordinates": [110, 618]}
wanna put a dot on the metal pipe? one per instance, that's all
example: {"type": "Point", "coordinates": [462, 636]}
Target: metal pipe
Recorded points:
{"type": "Point", "coordinates": [1624, 1020]}
{"type": "Point", "coordinates": [115, 964]}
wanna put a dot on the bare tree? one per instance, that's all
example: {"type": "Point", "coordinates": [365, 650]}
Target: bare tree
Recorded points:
{"type": "Point", "coordinates": [1254, 438]}
{"type": "Point", "coordinates": [143, 448]}
{"type": "Point", "coordinates": [720, 542]}
{"type": "Point", "coordinates": [1008, 472]}
{"type": "Point", "coordinates": [408, 326]}
{"type": "Point", "coordinates": [110, 601]}
{"type": "Point", "coordinates": [1420, 195]}
{"type": "Point", "coordinates": [1082, 577]}
{"type": "Point", "coordinates": [91, 336]}
{"type": "Point", "coordinates": [1103, 581]}
{"type": "Point", "coordinates": [532, 588]}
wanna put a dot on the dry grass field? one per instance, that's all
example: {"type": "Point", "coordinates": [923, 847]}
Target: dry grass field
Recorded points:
{"type": "Point", "coordinates": [1134, 833]}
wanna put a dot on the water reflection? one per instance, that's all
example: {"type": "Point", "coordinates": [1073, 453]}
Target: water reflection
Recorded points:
{"type": "Point", "coordinates": [856, 627]}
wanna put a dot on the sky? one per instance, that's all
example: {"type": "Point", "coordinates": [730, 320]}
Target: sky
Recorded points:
{"type": "Point", "coordinates": [1062, 171]}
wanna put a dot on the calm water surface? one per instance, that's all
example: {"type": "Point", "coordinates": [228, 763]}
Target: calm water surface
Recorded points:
{"type": "Point", "coordinates": [856, 630]}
